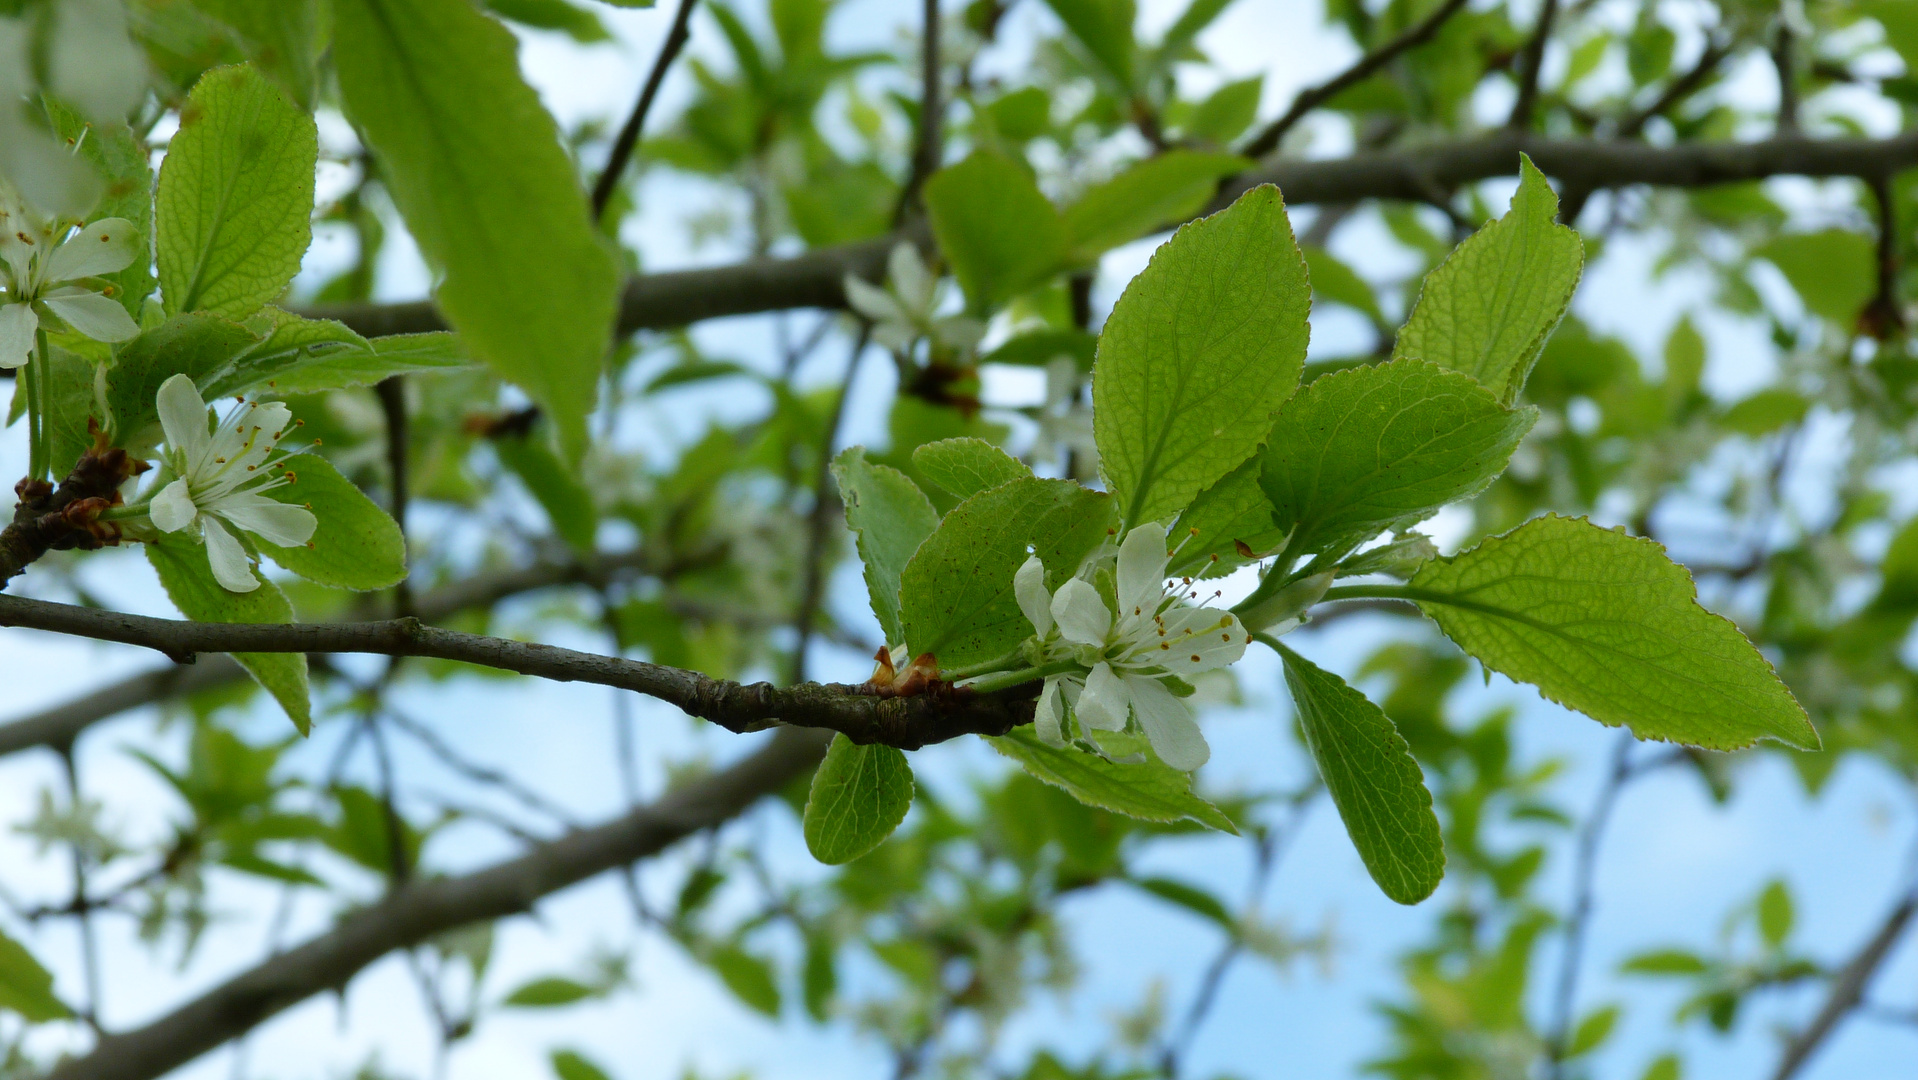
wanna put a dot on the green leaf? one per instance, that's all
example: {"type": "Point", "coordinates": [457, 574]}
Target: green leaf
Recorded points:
{"type": "Point", "coordinates": [1666, 1067]}
{"type": "Point", "coordinates": [283, 38]}
{"type": "Point", "coordinates": [1900, 571]}
{"type": "Point", "coordinates": [1488, 308]}
{"type": "Point", "coordinates": [548, 993]}
{"type": "Point", "coordinates": [575, 22]}
{"type": "Point", "coordinates": [1225, 115]}
{"type": "Point", "coordinates": [571, 1065]}
{"type": "Point", "coordinates": [890, 517]}
{"type": "Point", "coordinates": [475, 165]}
{"type": "Point", "coordinates": [1190, 897]}
{"type": "Point", "coordinates": [1149, 790]}
{"type": "Point", "coordinates": [1765, 412]}
{"type": "Point", "coordinates": [1233, 511]}
{"type": "Point", "coordinates": [1775, 914]}
{"type": "Point", "coordinates": [860, 794]}
{"type": "Point", "coordinates": [25, 986]}
{"type": "Point", "coordinates": [1593, 1030]}
{"type": "Point", "coordinates": [357, 545]}
{"type": "Point", "coordinates": [1104, 28]}
{"type": "Point", "coordinates": [288, 342]}
{"type": "Point", "coordinates": [967, 466]}
{"type": "Point", "coordinates": [747, 976]}
{"type": "Point", "coordinates": [1037, 348]}
{"type": "Point", "coordinates": [567, 502]}
{"type": "Point", "coordinates": [236, 196]}
{"type": "Point", "coordinates": [1369, 770]}
{"type": "Point", "coordinates": [1665, 962]}
{"type": "Point", "coordinates": [998, 232]}
{"type": "Point", "coordinates": [1604, 623]}
{"type": "Point", "coordinates": [1339, 283]}
{"type": "Point", "coordinates": [198, 345]}
{"type": "Point", "coordinates": [1143, 199]}
{"type": "Point", "coordinates": [1368, 449]}
{"type": "Point", "coordinates": [188, 580]}
{"type": "Point", "coordinates": [1199, 353]}
{"type": "Point", "coordinates": [120, 157]}
{"type": "Point", "coordinates": [384, 357]}
{"type": "Point", "coordinates": [819, 978]}
{"type": "Point", "coordinates": [70, 382]}
{"type": "Point", "coordinates": [1834, 272]}
{"type": "Point", "coordinates": [955, 595]}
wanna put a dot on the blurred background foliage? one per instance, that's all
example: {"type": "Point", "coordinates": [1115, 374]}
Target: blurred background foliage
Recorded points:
{"type": "Point", "coordinates": [1784, 478]}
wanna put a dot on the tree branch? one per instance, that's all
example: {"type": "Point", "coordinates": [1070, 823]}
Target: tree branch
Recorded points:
{"type": "Point", "coordinates": [1847, 990]}
{"type": "Point", "coordinates": [814, 280]}
{"type": "Point", "coordinates": [428, 907]}
{"type": "Point", "coordinates": [857, 712]}
{"type": "Point", "coordinates": [1268, 140]}
{"type": "Point", "coordinates": [622, 152]}
{"type": "Point", "coordinates": [1531, 62]}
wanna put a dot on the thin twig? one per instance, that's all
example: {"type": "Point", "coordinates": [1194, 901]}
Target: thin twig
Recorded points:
{"type": "Point", "coordinates": [392, 394]}
{"type": "Point", "coordinates": [1848, 989]}
{"type": "Point", "coordinates": [622, 152]}
{"type": "Point", "coordinates": [1585, 870]}
{"type": "Point", "coordinates": [1269, 138]}
{"type": "Point", "coordinates": [1531, 63]}
{"type": "Point", "coordinates": [819, 524]}
{"type": "Point", "coordinates": [1784, 58]}
{"type": "Point", "coordinates": [1716, 50]}
{"type": "Point", "coordinates": [83, 911]}
{"type": "Point", "coordinates": [926, 151]}
{"type": "Point", "coordinates": [860, 712]}
{"type": "Point", "coordinates": [1883, 315]}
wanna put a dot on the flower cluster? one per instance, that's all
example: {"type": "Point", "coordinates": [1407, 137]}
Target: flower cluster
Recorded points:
{"type": "Point", "coordinates": [1122, 657]}
{"type": "Point", "coordinates": [907, 309]}
{"type": "Point", "coordinates": [46, 271]}
{"type": "Point", "coordinates": [220, 479]}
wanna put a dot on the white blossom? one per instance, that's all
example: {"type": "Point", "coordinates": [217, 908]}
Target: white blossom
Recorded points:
{"type": "Point", "coordinates": [907, 309]}
{"type": "Point", "coordinates": [1126, 657]}
{"type": "Point", "coordinates": [44, 270]}
{"type": "Point", "coordinates": [220, 478]}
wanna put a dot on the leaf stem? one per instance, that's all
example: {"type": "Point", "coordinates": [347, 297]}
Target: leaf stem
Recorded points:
{"type": "Point", "coordinates": [1374, 592]}
{"type": "Point", "coordinates": [38, 451]}
{"type": "Point", "coordinates": [1005, 680]}
{"type": "Point", "coordinates": [1007, 662]}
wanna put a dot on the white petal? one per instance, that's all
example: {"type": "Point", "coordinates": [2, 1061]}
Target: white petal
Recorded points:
{"type": "Point", "coordinates": [92, 314]}
{"type": "Point", "coordinates": [959, 332]}
{"type": "Point", "coordinates": [872, 301]}
{"type": "Point", "coordinates": [1081, 613]}
{"type": "Point", "coordinates": [1168, 724]}
{"type": "Point", "coordinates": [272, 521]}
{"type": "Point", "coordinates": [1029, 586]}
{"type": "Point", "coordinates": [1196, 639]}
{"type": "Point", "coordinates": [1142, 562]}
{"type": "Point", "coordinates": [910, 280]}
{"type": "Point", "coordinates": [1104, 703]}
{"type": "Point", "coordinates": [271, 417]}
{"type": "Point", "coordinates": [183, 418]}
{"type": "Point", "coordinates": [172, 509]}
{"type": "Point", "coordinates": [230, 566]}
{"type": "Point", "coordinates": [17, 324]}
{"type": "Point", "coordinates": [104, 247]}
{"type": "Point", "coordinates": [1046, 719]}
{"type": "Point", "coordinates": [895, 335]}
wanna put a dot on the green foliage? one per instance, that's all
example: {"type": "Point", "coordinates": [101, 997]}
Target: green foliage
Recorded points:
{"type": "Point", "coordinates": [1604, 623]}
{"type": "Point", "coordinates": [568, 504]}
{"type": "Point", "coordinates": [997, 230]}
{"type": "Point", "coordinates": [235, 195]}
{"type": "Point", "coordinates": [859, 795]}
{"type": "Point", "coordinates": [188, 580]}
{"type": "Point", "coordinates": [571, 1065]}
{"type": "Point", "coordinates": [357, 545]}
{"type": "Point", "coordinates": [890, 517]}
{"type": "Point", "coordinates": [1834, 271]}
{"type": "Point", "coordinates": [1151, 195]}
{"type": "Point", "coordinates": [1233, 511]}
{"type": "Point", "coordinates": [1362, 451]}
{"type": "Point", "coordinates": [283, 38]}
{"type": "Point", "coordinates": [475, 165]}
{"type": "Point", "coordinates": [1487, 310]}
{"type": "Point", "coordinates": [1148, 789]}
{"type": "Point", "coordinates": [26, 987]}
{"type": "Point", "coordinates": [1375, 783]}
{"type": "Point", "coordinates": [198, 344]}
{"type": "Point", "coordinates": [1198, 355]}
{"type": "Point", "coordinates": [967, 466]}
{"type": "Point", "coordinates": [955, 595]}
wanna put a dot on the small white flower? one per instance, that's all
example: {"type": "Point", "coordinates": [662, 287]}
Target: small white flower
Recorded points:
{"type": "Point", "coordinates": [1065, 421]}
{"type": "Point", "coordinates": [221, 477]}
{"type": "Point", "coordinates": [908, 309]}
{"type": "Point", "coordinates": [37, 257]}
{"type": "Point", "coordinates": [1126, 657]}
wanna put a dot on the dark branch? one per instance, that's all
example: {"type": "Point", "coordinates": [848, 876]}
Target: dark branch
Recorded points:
{"type": "Point", "coordinates": [824, 509]}
{"type": "Point", "coordinates": [1784, 58]}
{"type": "Point", "coordinates": [926, 150]}
{"type": "Point", "coordinates": [1268, 139]}
{"type": "Point", "coordinates": [1847, 990]}
{"type": "Point", "coordinates": [1716, 50]}
{"type": "Point", "coordinates": [427, 907]}
{"type": "Point", "coordinates": [676, 39]}
{"type": "Point", "coordinates": [1531, 62]}
{"type": "Point", "coordinates": [814, 280]}
{"type": "Point", "coordinates": [855, 711]}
